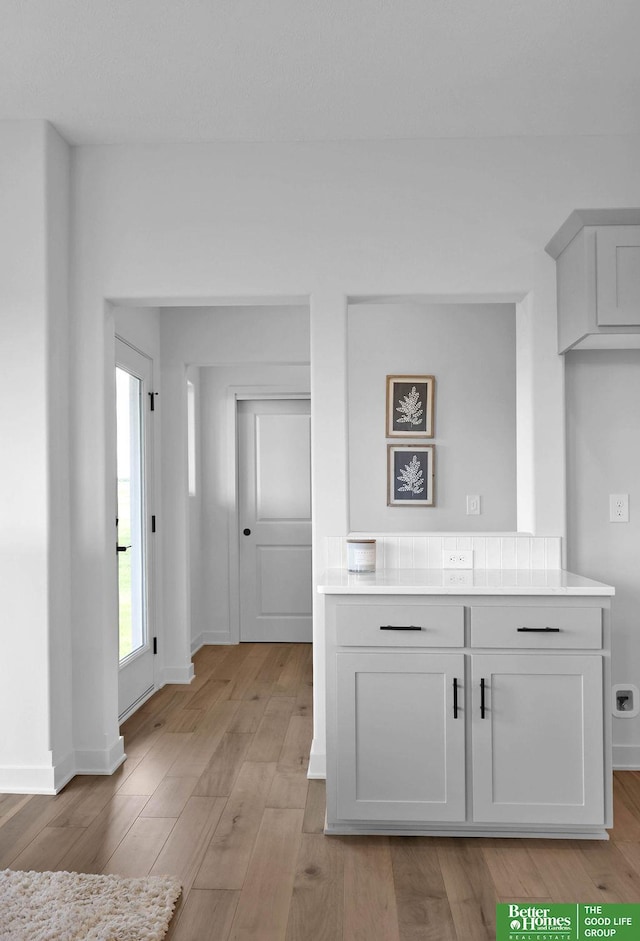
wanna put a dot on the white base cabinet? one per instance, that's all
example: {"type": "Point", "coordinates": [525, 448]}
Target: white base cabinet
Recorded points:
{"type": "Point", "coordinates": [433, 728]}
{"type": "Point", "coordinates": [398, 710]}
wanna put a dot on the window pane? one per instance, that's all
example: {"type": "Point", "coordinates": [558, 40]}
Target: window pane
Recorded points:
{"type": "Point", "coordinates": [130, 460]}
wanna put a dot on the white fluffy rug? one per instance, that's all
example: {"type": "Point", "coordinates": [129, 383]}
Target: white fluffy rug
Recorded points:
{"type": "Point", "coordinates": [70, 906]}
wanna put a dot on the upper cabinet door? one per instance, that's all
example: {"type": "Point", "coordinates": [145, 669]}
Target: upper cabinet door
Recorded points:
{"type": "Point", "coordinates": [618, 275]}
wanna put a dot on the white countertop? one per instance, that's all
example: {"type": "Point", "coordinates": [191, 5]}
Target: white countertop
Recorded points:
{"type": "Point", "coordinates": [460, 582]}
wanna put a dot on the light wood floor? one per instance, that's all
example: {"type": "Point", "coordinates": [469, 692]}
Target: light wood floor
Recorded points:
{"type": "Point", "coordinates": [215, 791]}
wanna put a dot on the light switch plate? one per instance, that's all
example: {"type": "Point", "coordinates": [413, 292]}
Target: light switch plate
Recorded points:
{"type": "Point", "coordinates": [473, 504]}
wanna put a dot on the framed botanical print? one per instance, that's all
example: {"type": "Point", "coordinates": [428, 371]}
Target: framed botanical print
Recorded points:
{"type": "Point", "coordinates": [410, 474]}
{"type": "Point", "coordinates": [410, 406]}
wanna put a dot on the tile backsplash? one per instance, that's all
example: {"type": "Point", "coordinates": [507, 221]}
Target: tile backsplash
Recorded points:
{"type": "Point", "coordinates": [417, 552]}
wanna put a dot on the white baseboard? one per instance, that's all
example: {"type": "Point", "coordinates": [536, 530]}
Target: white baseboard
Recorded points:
{"type": "Point", "coordinates": [50, 779]}
{"type": "Point", "coordinates": [317, 763]}
{"type": "Point", "coordinates": [27, 780]}
{"type": "Point", "coordinates": [626, 757]}
{"type": "Point", "coordinates": [64, 770]}
{"type": "Point", "coordinates": [100, 761]}
{"type": "Point", "coordinates": [211, 638]}
{"type": "Point", "coordinates": [178, 675]}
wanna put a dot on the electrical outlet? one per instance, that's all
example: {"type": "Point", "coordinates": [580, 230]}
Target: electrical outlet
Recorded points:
{"type": "Point", "coordinates": [451, 579]}
{"type": "Point", "coordinates": [618, 507]}
{"type": "Point", "coordinates": [457, 558]}
{"type": "Point", "coordinates": [473, 504]}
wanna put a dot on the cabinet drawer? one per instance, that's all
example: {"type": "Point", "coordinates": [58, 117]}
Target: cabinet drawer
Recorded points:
{"type": "Point", "coordinates": [516, 626]}
{"type": "Point", "coordinates": [375, 625]}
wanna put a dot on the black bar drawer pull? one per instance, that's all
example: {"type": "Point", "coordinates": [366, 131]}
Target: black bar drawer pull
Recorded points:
{"type": "Point", "coordinates": [455, 697]}
{"type": "Point", "coordinates": [392, 627]}
{"type": "Point", "coordinates": [482, 705]}
{"type": "Point", "coordinates": [538, 630]}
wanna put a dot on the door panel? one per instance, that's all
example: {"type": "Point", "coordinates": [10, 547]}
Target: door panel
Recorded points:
{"type": "Point", "coordinates": [274, 486]}
{"type": "Point", "coordinates": [618, 275]}
{"type": "Point", "coordinates": [133, 381]}
{"type": "Point", "coordinates": [537, 753]}
{"type": "Point", "coordinates": [283, 468]}
{"type": "Point", "coordinates": [400, 742]}
{"type": "Point", "coordinates": [284, 596]}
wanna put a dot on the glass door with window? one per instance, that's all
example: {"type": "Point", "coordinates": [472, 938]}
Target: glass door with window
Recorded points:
{"type": "Point", "coordinates": [133, 382]}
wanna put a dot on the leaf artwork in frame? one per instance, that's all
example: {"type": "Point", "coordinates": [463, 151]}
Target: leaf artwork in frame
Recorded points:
{"type": "Point", "coordinates": [411, 477]}
{"type": "Point", "coordinates": [410, 406]}
{"type": "Point", "coordinates": [410, 474]}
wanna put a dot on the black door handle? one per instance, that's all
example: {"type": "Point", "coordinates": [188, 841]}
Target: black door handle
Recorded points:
{"type": "Point", "coordinates": [246, 532]}
{"type": "Point", "coordinates": [482, 705]}
{"type": "Point", "coordinates": [122, 548]}
{"type": "Point", "coordinates": [455, 697]}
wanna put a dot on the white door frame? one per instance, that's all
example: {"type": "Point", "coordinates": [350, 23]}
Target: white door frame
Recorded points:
{"type": "Point", "coordinates": [234, 395]}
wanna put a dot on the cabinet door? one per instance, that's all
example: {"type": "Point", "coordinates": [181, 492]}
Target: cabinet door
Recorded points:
{"type": "Point", "coordinates": [400, 754]}
{"type": "Point", "coordinates": [538, 754]}
{"type": "Point", "coordinates": [618, 275]}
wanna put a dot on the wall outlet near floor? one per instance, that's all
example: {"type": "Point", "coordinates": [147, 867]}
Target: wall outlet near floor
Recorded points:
{"type": "Point", "coordinates": [618, 507]}
{"type": "Point", "coordinates": [457, 558]}
{"type": "Point", "coordinates": [473, 504]}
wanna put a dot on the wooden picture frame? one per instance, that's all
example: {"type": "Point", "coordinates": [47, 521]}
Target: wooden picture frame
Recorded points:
{"type": "Point", "coordinates": [410, 406]}
{"type": "Point", "coordinates": [411, 474]}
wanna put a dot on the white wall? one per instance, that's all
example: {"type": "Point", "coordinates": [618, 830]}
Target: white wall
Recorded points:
{"type": "Point", "coordinates": [58, 188]}
{"type": "Point", "coordinates": [462, 218]}
{"type": "Point", "coordinates": [470, 349]}
{"type": "Point", "coordinates": [603, 457]}
{"type": "Point", "coordinates": [35, 661]}
{"type": "Point", "coordinates": [140, 327]}
{"type": "Point", "coordinates": [179, 224]}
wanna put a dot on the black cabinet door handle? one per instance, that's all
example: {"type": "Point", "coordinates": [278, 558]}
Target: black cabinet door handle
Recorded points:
{"type": "Point", "coordinates": [482, 704]}
{"type": "Point", "coordinates": [538, 630]}
{"type": "Point", "coordinates": [455, 697]}
{"type": "Point", "coordinates": [122, 548]}
{"type": "Point", "coordinates": [392, 627]}
{"type": "Point", "coordinates": [246, 532]}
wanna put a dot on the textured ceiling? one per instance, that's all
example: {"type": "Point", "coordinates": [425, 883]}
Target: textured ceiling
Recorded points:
{"type": "Point", "coordinates": [277, 70]}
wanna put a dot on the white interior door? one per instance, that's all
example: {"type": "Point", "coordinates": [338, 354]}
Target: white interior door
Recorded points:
{"type": "Point", "coordinates": [133, 383]}
{"type": "Point", "coordinates": [274, 466]}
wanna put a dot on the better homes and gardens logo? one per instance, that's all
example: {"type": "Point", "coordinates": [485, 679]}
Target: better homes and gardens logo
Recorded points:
{"type": "Point", "coordinates": [522, 922]}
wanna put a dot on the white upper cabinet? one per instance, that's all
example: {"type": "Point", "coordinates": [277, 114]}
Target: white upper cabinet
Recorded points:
{"type": "Point", "coordinates": [618, 275]}
{"type": "Point", "coordinates": [597, 253]}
